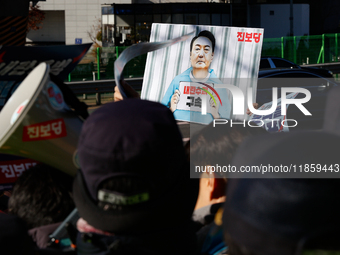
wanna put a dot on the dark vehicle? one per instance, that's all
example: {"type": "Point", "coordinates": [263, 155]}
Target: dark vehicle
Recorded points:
{"type": "Point", "coordinates": [316, 84]}
{"type": "Point", "coordinates": [267, 63]}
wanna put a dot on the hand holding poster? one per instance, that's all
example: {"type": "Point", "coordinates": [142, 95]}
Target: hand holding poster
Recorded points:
{"type": "Point", "coordinates": [139, 49]}
{"type": "Point", "coordinates": [216, 55]}
{"type": "Point", "coordinates": [196, 97]}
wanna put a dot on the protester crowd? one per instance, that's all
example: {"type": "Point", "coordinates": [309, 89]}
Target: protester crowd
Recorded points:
{"type": "Point", "coordinates": [134, 194]}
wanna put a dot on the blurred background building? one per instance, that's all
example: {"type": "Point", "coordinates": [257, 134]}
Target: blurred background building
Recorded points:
{"type": "Point", "coordinates": [128, 21]}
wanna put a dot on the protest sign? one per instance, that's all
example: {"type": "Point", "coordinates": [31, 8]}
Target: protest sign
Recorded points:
{"type": "Point", "coordinates": [233, 58]}
{"type": "Point", "coordinates": [194, 92]}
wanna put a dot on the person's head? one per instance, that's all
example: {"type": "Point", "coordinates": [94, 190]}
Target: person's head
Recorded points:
{"type": "Point", "coordinates": [42, 196]}
{"type": "Point", "coordinates": [202, 49]}
{"type": "Point", "coordinates": [212, 147]}
{"type": "Point", "coordinates": [134, 173]}
{"type": "Point", "coordinates": [288, 212]}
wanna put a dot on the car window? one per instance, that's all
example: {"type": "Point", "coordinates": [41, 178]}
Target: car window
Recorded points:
{"type": "Point", "coordinates": [283, 63]}
{"type": "Point", "coordinates": [264, 64]}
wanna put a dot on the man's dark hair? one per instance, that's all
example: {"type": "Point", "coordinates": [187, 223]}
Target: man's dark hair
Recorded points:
{"type": "Point", "coordinates": [204, 33]}
{"type": "Point", "coordinates": [41, 196]}
{"type": "Point", "coordinates": [234, 248]}
{"type": "Point", "coordinates": [217, 145]}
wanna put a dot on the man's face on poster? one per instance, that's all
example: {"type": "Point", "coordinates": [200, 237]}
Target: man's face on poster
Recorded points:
{"type": "Point", "coordinates": [201, 53]}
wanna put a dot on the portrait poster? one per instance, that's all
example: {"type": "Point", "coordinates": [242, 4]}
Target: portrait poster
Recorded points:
{"type": "Point", "coordinates": [235, 60]}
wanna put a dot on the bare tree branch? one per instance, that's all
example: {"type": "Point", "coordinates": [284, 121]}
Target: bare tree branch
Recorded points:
{"type": "Point", "coordinates": [35, 18]}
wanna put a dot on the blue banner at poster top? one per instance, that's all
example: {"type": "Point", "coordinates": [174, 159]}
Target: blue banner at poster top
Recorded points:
{"type": "Point", "coordinates": [16, 62]}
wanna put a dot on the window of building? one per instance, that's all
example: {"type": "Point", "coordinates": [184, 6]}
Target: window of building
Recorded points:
{"type": "Point", "coordinates": [166, 18]}
{"type": "Point", "coordinates": [133, 21]}
{"type": "Point", "coordinates": [191, 18]}
{"type": "Point", "coordinates": [107, 10]}
{"type": "Point", "coordinates": [177, 18]}
{"type": "Point", "coordinates": [216, 19]}
{"type": "Point", "coordinates": [204, 19]}
{"type": "Point", "coordinates": [143, 27]}
{"type": "Point", "coordinates": [157, 18]}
